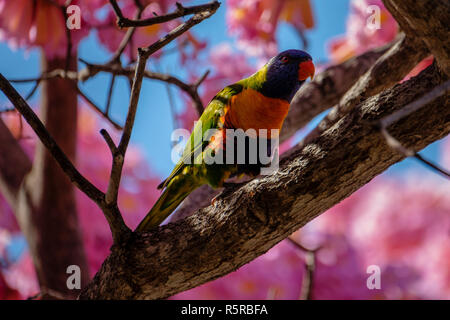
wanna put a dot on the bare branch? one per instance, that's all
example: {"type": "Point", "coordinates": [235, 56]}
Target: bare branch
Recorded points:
{"type": "Point", "coordinates": [112, 214]}
{"type": "Point", "coordinates": [117, 10]}
{"type": "Point", "coordinates": [416, 105]}
{"type": "Point", "coordinates": [126, 40]}
{"type": "Point", "coordinates": [110, 92]}
{"type": "Point", "coordinates": [428, 21]}
{"type": "Point", "coordinates": [178, 31]}
{"type": "Point", "coordinates": [180, 12]}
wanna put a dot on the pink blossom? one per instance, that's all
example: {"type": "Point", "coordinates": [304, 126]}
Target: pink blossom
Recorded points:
{"type": "Point", "coordinates": [275, 275]}
{"type": "Point", "coordinates": [26, 23]}
{"type": "Point", "coordinates": [255, 22]}
{"type": "Point", "coordinates": [360, 37]}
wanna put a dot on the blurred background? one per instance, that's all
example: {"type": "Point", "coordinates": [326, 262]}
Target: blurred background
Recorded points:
{"type": "Point", "coordinates": [399, 221]}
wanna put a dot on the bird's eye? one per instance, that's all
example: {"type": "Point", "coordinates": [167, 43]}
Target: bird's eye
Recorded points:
{"type": "Point", "coordinates": [284, 59]}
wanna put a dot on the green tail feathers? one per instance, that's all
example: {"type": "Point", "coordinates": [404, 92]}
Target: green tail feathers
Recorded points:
{"type": "Point", "coordinates": [176, 191]}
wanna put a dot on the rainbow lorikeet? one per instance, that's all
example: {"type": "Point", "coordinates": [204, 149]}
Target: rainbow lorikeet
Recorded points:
{"type": "Point", "coordinates": [260, 101]}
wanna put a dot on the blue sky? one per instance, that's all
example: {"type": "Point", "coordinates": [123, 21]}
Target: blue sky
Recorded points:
{"type": "Point", "coordinates": [154, 120]}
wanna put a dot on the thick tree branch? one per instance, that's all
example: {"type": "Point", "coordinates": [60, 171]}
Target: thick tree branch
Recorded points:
{"type": "Point", "coordinates": [327, 89]}
{"type": "Point", "coordinates": [388, 70]}
{"type": "Point", "coordinates": [246, 223]}
{"type": "Point", "coordinates": [427, 20]}
{"type": "Point", "coordinates": [405, 111]}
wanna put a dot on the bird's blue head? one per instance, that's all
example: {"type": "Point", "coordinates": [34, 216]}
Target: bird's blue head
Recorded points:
{"type": "Point", "coordinates": [286, 72]}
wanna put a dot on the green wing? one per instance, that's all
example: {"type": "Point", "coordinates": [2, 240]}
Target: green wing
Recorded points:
{"type": "Point", "coordinates": [208, 120]}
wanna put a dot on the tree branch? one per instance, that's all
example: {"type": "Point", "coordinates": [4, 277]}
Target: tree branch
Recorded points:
{"type": "Point", "coordinates": [327, 89]}
{"type": "Point", "coordinates": [245, 224]}
{"type": "Point", "coordinates": [405, 111]}
{"type": "Point", "coordinates": [389, 69]}
{"type": "Point", "coordinates": [428, 21]}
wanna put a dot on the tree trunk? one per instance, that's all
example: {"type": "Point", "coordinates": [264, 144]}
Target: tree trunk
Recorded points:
{"type": "Point", "coordinates": [46, 206]}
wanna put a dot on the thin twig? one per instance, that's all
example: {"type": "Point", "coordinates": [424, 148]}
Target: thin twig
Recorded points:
{"type": "Point", "coordinates": [119, 155]}
{"type": "Point", "coordinates": [109, 141]}
{"type": "Point", "coordinates": [97, 108]}
{"type": "Point", "coordinates": [110, 92]}
{"type": "Point", "coordinates": [178, 31]}
{"type": "Point", "coordinates": [126, 40]}
{"type": "Point", "coordinates": [116, 9]}
{"type": "Point", "coordinates": [416, 105]}
{"type": "Point", "coordinates": [33, 90]}
{"type": "Point", "coordinates": [310, 265]}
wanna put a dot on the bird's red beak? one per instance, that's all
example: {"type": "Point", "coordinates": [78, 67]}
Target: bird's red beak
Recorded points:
{"type": "Point", "coordinates": [306, 70]}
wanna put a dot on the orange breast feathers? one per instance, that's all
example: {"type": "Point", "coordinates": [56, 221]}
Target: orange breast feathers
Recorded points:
{"type": "Point", "coordinates": [252, 110]}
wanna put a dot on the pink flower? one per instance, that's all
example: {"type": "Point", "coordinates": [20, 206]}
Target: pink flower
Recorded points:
{"type": "Point", "coordinates": [255, 22]}
{"type": "Point", "coordinates": [137, 194]}
{"type": "Point", "coordinates": [27, 23]}
{"type": "Point", "coordinates": [360, 36]}
{"type": "Point", "coordinates": [275, 275]}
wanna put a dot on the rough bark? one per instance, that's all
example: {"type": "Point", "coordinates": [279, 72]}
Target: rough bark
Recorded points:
{"type": "Point", "coordinates": [46, 206]}
{"type": "Point", "coordinates": [245, 223]}
{"type": "Point", "coordinates": [427, 20]}
{"type": "Point", "coordinates": [388, 70]}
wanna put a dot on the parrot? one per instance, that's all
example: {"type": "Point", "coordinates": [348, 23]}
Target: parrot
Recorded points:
{"type": "Point", "coordinates": [260, 101]}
